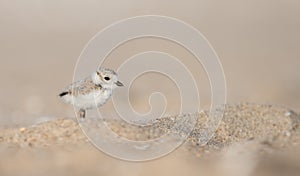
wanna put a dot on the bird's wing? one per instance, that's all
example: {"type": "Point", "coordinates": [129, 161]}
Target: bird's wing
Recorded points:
{"type": "Point", "coordinates": [81, 88]}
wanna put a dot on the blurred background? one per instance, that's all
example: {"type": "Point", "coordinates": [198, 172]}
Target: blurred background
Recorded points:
{"type": "Point", "coordinates": [257, 42]}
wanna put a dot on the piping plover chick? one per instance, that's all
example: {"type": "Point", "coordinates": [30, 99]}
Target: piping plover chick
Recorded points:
{"type": "Point", "coordinates": [91, 92]}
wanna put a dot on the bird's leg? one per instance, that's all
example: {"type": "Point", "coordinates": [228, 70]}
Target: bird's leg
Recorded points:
{"type": "Point", "coordinates": [82, 113]}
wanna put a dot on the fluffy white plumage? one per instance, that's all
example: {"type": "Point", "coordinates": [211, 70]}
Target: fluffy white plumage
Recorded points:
{"type": "Point", "coordinates": [91, 92]}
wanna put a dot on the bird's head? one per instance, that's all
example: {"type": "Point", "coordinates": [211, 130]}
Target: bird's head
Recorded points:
{"type": "Point", "coordinates": [107, 78]}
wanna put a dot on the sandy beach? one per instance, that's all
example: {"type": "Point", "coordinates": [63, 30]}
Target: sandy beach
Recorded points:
{"type": "Point", "coordinates": [258, 46]}
{"type": "Point", "coordinates": [252, 139]}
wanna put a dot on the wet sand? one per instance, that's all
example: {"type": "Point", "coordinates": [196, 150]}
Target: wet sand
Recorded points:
{"type": "Point", "coordinates": [251, 140]}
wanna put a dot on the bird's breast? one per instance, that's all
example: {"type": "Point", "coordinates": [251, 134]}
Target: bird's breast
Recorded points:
{"type": "Point", "coordinates": [101, 97]}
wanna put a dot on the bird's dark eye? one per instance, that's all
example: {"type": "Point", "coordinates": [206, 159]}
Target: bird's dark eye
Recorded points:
{"type": "Point", "coordinates": [106, 78]}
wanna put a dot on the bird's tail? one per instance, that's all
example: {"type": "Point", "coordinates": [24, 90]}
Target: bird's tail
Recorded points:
{"type": "Point", "coordinates": [63, 94]}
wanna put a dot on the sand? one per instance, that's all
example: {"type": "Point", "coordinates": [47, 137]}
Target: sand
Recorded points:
{"type": "Point", "coordinates": [251, 140]}
{"type": "Point", "coordinates": [258, 46]}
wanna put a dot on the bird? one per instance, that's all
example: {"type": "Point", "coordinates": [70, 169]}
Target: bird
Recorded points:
{"type": "Point", "coordinates": [91, 92]}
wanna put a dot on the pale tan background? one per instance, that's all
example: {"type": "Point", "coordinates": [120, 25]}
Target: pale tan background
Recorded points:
{"type": "Point", "coordinates": [40, 41]}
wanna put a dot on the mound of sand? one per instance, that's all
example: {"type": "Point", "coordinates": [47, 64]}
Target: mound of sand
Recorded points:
{"type": "Point", "coordinates": [251, 139]}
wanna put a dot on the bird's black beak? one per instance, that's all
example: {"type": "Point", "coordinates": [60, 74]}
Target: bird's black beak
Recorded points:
{"type": "Point", "coordinates": [118, 83]}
